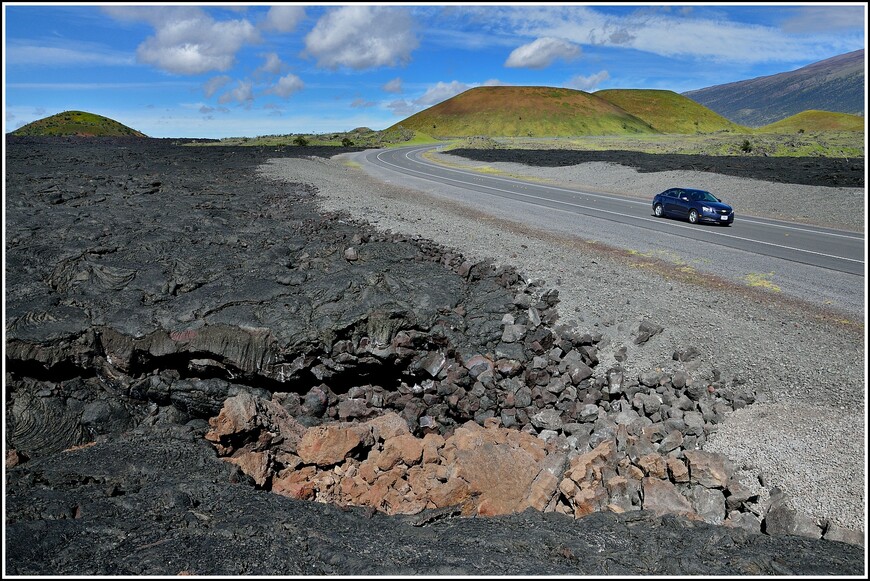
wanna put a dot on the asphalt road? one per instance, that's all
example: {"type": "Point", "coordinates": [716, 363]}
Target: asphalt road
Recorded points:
{"type": "Point", "coordinates": [826, 248]}
{"type": "Point", "coordinates": [823, 266]}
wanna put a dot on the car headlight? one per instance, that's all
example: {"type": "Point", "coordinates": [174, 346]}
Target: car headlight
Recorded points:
{"type": "Point", "coordinates": [708, 209]}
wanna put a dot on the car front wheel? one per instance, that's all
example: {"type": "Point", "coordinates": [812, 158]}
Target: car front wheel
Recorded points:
{"type": "Point", "coordinates": [693, 216]}
{"type": "Point", "coordinates": [658, 210]}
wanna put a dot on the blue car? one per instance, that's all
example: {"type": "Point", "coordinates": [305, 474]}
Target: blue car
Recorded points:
{"type": "Point", "coordinates": [692, 205]}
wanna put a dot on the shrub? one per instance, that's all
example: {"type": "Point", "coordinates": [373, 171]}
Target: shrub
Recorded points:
{"type": "Point", "coordinates": [346, 142]}
{"type": "Point", "coordinates": [300, 141]}
{"type": "Point", "coordinates": [746, 147]}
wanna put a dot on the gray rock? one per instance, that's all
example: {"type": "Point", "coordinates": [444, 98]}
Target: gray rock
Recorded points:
{"type": "Point", "coordinates": [781, 519]}
{"type": "Point", "coordinates": [547, 419]}
{"type": "Point", "coordinates": [709, 504]}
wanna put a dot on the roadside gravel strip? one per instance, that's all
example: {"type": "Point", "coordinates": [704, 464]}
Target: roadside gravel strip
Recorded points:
{"type": "Point", "coordinates": [806, 433]}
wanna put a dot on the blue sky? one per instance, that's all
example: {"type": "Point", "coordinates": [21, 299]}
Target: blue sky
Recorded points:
{"type": "Point", "coordinates": [194, 70]}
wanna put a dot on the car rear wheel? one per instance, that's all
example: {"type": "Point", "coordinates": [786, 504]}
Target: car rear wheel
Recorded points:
{"type": "Point", "coordinates": [658, 210]}
{"type": "Point", "coordinates": [693, 216]}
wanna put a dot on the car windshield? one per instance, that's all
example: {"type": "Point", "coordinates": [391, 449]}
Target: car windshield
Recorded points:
{"type": "Point", "coordinates": [702, 196]}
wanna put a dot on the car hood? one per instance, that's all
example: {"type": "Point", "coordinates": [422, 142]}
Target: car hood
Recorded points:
{"type": "Point", "coordinates": [716, 205]}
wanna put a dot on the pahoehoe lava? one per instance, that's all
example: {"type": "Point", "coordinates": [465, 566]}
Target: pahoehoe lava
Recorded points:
{"type": "Point", "coordinates": [148, 282]}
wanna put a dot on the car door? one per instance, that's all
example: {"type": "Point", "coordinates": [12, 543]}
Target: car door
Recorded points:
{"type": "Point", "coordinates": [684, 203]}
{"type": "Point", "coordinates": [674, 205]}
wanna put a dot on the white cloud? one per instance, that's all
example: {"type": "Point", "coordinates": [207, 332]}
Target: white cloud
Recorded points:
{"type": "Point", "coordinates": [589, 83]}
{"type": "Point", "coordinates": [435, 94]}
{"type": "Point", "coordinates": [272, 64]}
{"type": "Point", "coordinates": [667, 33]}
{"type": "Point", "coordinates": [541, 53]}
{"type": "Point", "coordinates": [402, 108]}
{"type": "Point", "coordinates": [394, 86]}
{"type": "Point", "coordinates": [286, 86]}
{"type": "Point", "coordinates": [187, 40]}
{"type": "Point", "coordinates": [37, 53]}
{"type": "Point", "coordinates": [215, 84]}
{"type": "Point", "coordinates": [362, 37]}
{"type": "Point", "coordinates": [441, 92]}
{"type": "Point", "coordinates": [814, 19]}
{"type": "Point", "coordinates": [283, 18]}
{"type": "Point", "coordinates": [360, 103]}
{"type": "Point", "coordinates": [243, 94]}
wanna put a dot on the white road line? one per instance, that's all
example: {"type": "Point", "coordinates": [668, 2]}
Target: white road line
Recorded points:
{"type": "Point", "coordinates": [693, 229]}
{"type": "Point", "coordinates": [557, 188]}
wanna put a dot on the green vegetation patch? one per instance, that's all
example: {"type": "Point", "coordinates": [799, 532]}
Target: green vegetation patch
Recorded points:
{"type": "Point", "coordinates": [77, 123]}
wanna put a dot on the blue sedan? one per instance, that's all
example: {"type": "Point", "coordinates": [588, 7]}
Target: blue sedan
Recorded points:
{"type": "Point", "coordinates": [692, 205]}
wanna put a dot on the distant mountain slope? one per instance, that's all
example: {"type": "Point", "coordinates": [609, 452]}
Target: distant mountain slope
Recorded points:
{"type": "Point", "coordinates": [835, 84]}
{"type": "Point", "coordinates": [815, 121]}
{"type": "Point", "coordinates": [524, 112]}
{"type": "Point", "coordinates": [668, 112]}
{"type": "Point", "coordinates": [78, 123]}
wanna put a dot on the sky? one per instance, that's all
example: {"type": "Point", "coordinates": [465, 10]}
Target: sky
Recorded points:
{"type": "Point", "coordinates": [246, 70]}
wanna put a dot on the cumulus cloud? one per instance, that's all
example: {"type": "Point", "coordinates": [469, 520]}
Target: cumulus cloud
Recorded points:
{"type": "Point", "coordinates": [589, 83]}
{"type": "Point", "coordinates": [394, 86]}
{"type": "Point", "coordinates": [215, 84]}
{"type": "Point", "coordinates": [541, 53]}
{"type": "Point", "coordinates": [286, 86]}
{"type": "Point", "coordinates": [362, 37]}
{"type": "Point", "coordinates": [402, 108]}
{"type": "Point", "coordinates": [273, 64]}
{"type": "Point", "coordinates": [435, 94]}
{"type": "Point", "coordinates": [186, 40]}
{"type": "Point", "coordinates": [710, 35]}
{"type": "Point", "coordinates": [441, 92]}
{"type": "Point", "coordinates": [207, 109]}
{"type": "Point", "coordinates": [283, 18]}
{"type": "Point", "coordinates": [361, 103]}
{"type": "Point", "coordinates": [242, 94]}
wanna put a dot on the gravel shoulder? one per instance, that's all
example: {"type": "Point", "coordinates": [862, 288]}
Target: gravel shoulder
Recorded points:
{"type": "Point", "coordinates": [806, 434]}
{"type": "Point", "coordinates": [831, 207]}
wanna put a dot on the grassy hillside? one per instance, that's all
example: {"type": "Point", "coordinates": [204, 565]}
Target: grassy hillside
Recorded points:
{"type": "Point", "coordinates": [78, 123]}
{"type": "Point", "coordinates": [669, 112]}
{"type": "Point", "coordinates": [524, 112]}
{"type": "Point", "coordinates": [815, 121]}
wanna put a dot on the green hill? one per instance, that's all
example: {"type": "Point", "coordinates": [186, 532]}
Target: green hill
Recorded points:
{"type": "Point", "coordinates": [669, 112]}
{"type": "Point", "coordinates": [815, 121]}
{"type": "Point", "coordinates": [77, 123]}
{"type": "Point", "coordinates": [524, 112]}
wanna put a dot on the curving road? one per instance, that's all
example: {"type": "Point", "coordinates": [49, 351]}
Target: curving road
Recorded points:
{"type": "Point", "coordinates": [825, 248]}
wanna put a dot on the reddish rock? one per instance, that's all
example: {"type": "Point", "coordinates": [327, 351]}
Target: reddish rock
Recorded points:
{"type": "Point", "coordinates": [327, 445]}
{"type": "Point", "coordinates": [14, 458]}
{"type": "Point", "coordinates": [451, 493]}
{"type": "Point", "coordinates": [237, 416]}
{"type": "Point", "coordinates": [387, 426]}
{"type": "Point", "coordinates": [662, 497]}
{"type": "Point", "coordinates": [296, 484]}
{"type": "Point", "coordinates": [254, 464]}
{"type": "Point", "coordinates": [709, 469]}
{"type": "Point", "coordinates": [499, 469]}
{"type": "Point", "coordinates": [653, 465]}
{"type": "Point", "coordinates": [432, 443]}
{"type": "Point", "coordinates": [677, 470]}
{"type": "Point", "coordinates": [405, 448]}
{"type": "Point", "coordinates": [589, 500]}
